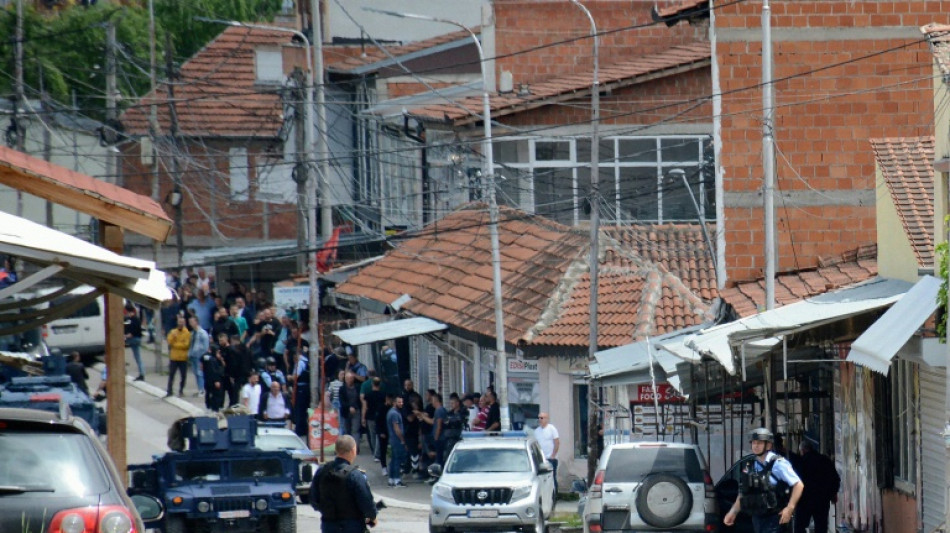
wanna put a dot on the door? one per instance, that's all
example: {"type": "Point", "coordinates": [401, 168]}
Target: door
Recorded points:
{"type": "Point", "coordinates": [545, 480]}
{"type": "Point", "coordinates": [727, 490]}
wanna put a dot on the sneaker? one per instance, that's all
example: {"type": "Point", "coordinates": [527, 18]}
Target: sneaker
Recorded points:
{"type": "Point", "coordinates": [181, 394]}
{"type": "Point", "coordinates": [399, 485]}
{"type": "Point", "coordinates": [140, 378]}
{"type": "Point", "coordinates": [375, 459]}
{"type": "Point", "coordinates": [168, 394]}
{"type": "Point", "coordinates": [385, 471]}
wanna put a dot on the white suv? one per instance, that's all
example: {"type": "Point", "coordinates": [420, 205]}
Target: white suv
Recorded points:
{"type": "Point", "coordinates": [493, 481]}
{"type": "Point", "coordinates": [651, 486]}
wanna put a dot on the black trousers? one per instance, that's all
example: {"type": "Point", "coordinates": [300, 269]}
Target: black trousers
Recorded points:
{"type": "Point", "coordinates": [177, 366]}
{"type": "Point", "coordinates": [806, 511]}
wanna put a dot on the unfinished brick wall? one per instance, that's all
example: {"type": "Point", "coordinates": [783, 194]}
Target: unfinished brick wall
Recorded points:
{"type": "Point", "coordinates": [540, 24]}
{"type": "Point", "coordinates": [823, 119]}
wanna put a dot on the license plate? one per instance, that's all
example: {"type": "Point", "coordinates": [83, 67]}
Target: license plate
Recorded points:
{"type": "Point", "coordinates": [244, 513]}
{"type": "Point", "coordinates": [483, 513]}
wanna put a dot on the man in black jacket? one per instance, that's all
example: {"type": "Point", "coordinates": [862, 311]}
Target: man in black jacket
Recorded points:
{"type": "Point", "coordinates": [341, 493]}
{"type": "Point", "coordinates": [820, 476]}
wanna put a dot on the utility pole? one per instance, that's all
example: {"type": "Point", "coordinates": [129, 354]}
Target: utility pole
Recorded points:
{"type": "Point", "coordinates": [153, 131]}
{"type": "Point", "coordinates": [301, 172]}
{"type": "Point", "coordinates": [111, 114]}
{"type": "Point", "coordinates": [19, 126]}
{"type": "Point", "coordinates": [177, 198]}
{"type": "Point", "coordinates": [322, 151]}
{"type": "Point", "coordinates": [768, 155]}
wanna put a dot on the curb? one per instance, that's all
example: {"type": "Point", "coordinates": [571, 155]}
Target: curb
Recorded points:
{"type": "Point", "coordinates": [390, 502]}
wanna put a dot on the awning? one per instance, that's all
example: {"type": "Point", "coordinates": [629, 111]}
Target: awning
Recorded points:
{"type": "Point", "coordinates": [876, 347]}
{"type": "Point", "coordinates": [65, 256]}
{"type": "Point", "coordinates": [394, 329]}
{"type": "Point", "coordinates": [759, 333]}
{"type": "Point", "coordinates": [630, 364]}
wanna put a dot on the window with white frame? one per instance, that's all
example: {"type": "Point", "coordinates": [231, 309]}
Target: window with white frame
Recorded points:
{"type": "Point", "coordinates": [641, 178]}
{"type": "Point", "coordinates": [239, 184]}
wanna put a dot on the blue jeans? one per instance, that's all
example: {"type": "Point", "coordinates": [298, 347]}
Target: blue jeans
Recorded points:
{"type": "Point", "coordinates": [554, 464]}
{"type": "Point", "coordinates": [197, 371]}
{"type": "Point", "coordinates": [767, 523]}
{"type": "Point", "coordinates": [135, 344]}
{"type": "Point", "coordinates": [395, 462]}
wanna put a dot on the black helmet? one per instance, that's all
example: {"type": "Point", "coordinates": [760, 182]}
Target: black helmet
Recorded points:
{"type": "Point", "coordinates": [761, 434]}
{"type": "Point", "coordinates": [271, 361]}
{"type": "Point", "coordinates": [259, 362]}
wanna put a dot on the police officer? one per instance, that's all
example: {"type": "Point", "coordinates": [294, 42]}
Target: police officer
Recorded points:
{"type": "Point", "coordinates": [341, 493]}
{"type": "Point", "coordinates": [769, 489]}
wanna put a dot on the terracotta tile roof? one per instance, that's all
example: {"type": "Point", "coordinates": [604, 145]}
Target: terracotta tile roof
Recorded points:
{"type": "Point", "coordinates": [216, 94]}
{"type": "Point", "coordinates": [907, 167]}
{"type": "Point", "coordinates": [678, 9]}
{"type": "Point", "coordinates": [84, 193]}
{"type": "Point", "coordinates": [446, 268]}
{"type": "Point", "coordinates": [374, 55]}
{"type": "Point", "coordinates": [748, 298]}
{"type": "Point", "coordinates": [939, 37]}
{"type": "Point", "coordinates": [674, 60]}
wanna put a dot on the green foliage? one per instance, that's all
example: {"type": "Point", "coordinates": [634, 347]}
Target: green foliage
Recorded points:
{"type": "Point", "coordinates": [64, 51]}
{"type": "Point", "coordinates": [942, 271]}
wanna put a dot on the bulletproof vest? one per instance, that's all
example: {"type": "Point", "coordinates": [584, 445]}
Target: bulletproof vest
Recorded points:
{"type": "Point", "coordinates": [759, 495]}
{"type": "Point", "coordinates": [337, 501]}
{"type": "Point", "coordinates": [454, 423]}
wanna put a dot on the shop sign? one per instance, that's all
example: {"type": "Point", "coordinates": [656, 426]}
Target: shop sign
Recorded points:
{"type": "Point", "coordinates": [664, 393]}
{"type": "Point", "coordinates": [520, 365]}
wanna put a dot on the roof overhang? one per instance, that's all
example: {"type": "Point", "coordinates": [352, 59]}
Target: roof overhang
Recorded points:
{"type": "Point", "coordinates": [394, 329]}
{"type": "Point", "coordinates": [744, 340]}
{"type": "Point", "coordinates": [100, 199]}
{"type": "Point", "coordinates": [876, 347]}
{"type": "Point", "coordinates": [64, 256]}
{"type": "Point", "coordinates": [631, 364]}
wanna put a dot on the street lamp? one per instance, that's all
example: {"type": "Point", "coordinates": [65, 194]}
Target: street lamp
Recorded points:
{"type": "Point", "coordinates": [488, 170]}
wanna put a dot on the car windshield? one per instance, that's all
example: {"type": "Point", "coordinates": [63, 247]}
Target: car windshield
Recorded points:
{"type": "Point", "coordinates": [256, 468]}
{"type": "Point", "coordinates": [488, 460]}
{"type": "Point", "coordinates": [62, 463]}
{"type": "Point", "coordinates": [271, 442]}
{"type": "Point", "coordinates": [631, 465]}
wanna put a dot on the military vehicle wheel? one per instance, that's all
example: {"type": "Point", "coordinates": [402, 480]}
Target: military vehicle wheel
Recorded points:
{"type": "Point", "coordinates": [286, 521]}
{"type": "Point", "coordinates": [175, 524]}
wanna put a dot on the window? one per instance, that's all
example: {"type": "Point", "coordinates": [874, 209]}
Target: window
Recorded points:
{"type": "Point", "coordinates": [238, 172]}
{"type": "Point", "coordinates": [903, 428]}
{"type": "Point", "coordinates": [642, 179]}
{"type": "Point", "coordinates": [581, 409]}
{"type": "Point", "coordinates": [268, 66]}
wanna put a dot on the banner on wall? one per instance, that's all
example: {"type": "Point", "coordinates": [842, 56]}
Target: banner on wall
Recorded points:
{"type": "Point", "coordinates": [327, 423]}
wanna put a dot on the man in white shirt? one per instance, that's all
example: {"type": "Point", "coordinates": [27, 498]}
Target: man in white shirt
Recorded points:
{"type": "Point", "coordinates": [251, 394]}
{"type": "Point", "coordinates": [548, 439]}
{"type": "Point", "coordinates": [276, 403]}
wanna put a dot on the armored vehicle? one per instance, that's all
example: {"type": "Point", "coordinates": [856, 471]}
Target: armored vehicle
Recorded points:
{"type": "Point", "coordinates": [46, 392]}
{"type": "Point", "coordinates": [216, 480]}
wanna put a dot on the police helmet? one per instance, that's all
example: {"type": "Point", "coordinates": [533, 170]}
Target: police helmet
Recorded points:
{"type": "Point", "coordinates": [259, 362]}
{"type": "Point", "coordinates": [761, 434]}
{"type": "Point", "coordinates": [271, 361]}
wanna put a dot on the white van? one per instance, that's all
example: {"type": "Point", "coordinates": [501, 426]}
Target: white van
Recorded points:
{"type": "Point", "coordinates": [83, 331]}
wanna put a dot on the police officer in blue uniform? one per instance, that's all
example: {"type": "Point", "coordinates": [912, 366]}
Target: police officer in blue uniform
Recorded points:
{"type": "Point", "coordinates": [341, 493]}
{"type": "Point", "coordinates": [769, 488]}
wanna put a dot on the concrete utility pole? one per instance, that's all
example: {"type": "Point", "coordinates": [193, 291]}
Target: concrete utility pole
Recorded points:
{"type": "Point", "coordinates": [593, 417]}
{"type": "Point", "coordinates": [302, 167]}
{"type": "Point", "coordinates": [768, 155]}
{"type": "Point", "coordinates": [112, 116]}
{"type": "Point", "coordinates": [176, 196]}
{"type": "Point", "coordinates": [153, 132]}
{"type": "Point", "coordinates": [18, 97]}
{"type": "Point", "coordinates": [488, 174]}
{"type": "Point", "coordinates": [322, 150]}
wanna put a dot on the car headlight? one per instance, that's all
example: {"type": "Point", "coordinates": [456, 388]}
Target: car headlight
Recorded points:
{"type": "Point", "coordinates": [443, 491]}
{"type": "Point", "coordinates": [521, 493]}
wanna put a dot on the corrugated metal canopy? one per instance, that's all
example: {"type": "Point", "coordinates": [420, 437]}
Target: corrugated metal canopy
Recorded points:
{"type": "Point", "coordinates": [876, 347]}
{"type": "Point", "coordinates": [394, 329]}
{"type": "Point", "coordinates": [65, 256]}
{"type": "Point", "coordinates": [760, 331]}
{"type": "Point", "coordinates": [630, 364]}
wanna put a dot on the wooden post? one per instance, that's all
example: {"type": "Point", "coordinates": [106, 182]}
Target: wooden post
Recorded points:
{"type": "Point", "coordinates": [112, 240]}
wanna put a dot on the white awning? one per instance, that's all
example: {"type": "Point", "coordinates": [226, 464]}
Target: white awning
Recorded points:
{"type": "Point", "coordinates": [630, 364]}
{"type": "Point", "coordinates": [394, 329]}
{"type": "Point", "coordinates": [876, 347]}
{"type": "Point", "coordinates": [72, 258]}
{"type": "Point", "coordinates": [760, 332]}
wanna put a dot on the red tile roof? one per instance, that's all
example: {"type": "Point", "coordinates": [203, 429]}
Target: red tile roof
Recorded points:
{"type": "Point", "coordinates": [374, 55]}
{"type": "Point", "coordinates": [939, 37]}
{"type": "Point", "coordinates": [907, 167]}
{"type": "Point", "coordinates": [216, 94]}
{"type": "Point", "coordinates": [748, 298]}
{"type": "Point", "coordinates": [446, 269]}
{"type": "Point", "coordinates": [675, 60]}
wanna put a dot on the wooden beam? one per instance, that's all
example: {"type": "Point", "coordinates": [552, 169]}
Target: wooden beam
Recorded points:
{"type": "Point", "coordinates": [112, 239]}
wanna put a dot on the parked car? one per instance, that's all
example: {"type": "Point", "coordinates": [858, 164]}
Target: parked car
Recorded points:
{"type": "Point", "coordinates": [493, 481]}
{"type": "Point", "coordinates": [83, 330]}
{"type": "Point", "coordinates": [54, 472]}
{"type": "Point", "coordinates": [271, 438]}
{"type": "Point", "coordinates": [651, 486]}
{"type": "Point", "coordinates": [727, 490]}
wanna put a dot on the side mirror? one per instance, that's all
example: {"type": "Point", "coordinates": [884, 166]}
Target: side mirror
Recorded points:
{"type": "Point", "coordinates": [579, 486]}
{"type": "Point", "coordinates": [545, 468]}
{"type": "Point", "coordinates": [435, 470]}
{"type": "Point", "coordinates": [149, 507]}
